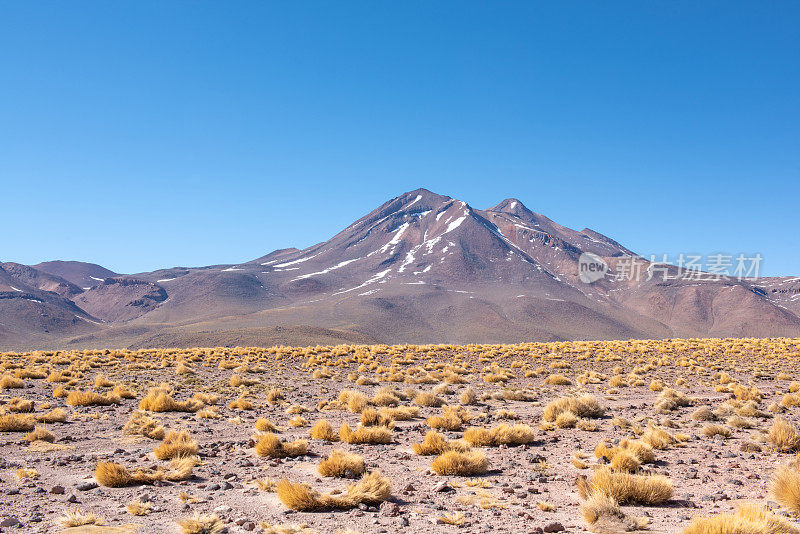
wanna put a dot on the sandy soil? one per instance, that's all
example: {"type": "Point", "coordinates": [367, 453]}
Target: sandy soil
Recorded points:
{"type": "Point", "coordinates": [709, 475]}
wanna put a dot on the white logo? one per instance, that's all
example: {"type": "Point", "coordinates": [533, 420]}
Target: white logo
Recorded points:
{"type": "Point", "coordinates": [591, 268]}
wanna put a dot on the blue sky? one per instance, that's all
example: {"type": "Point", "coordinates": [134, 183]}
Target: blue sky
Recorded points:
{"type": "Point", "coordinates": [141, 135]}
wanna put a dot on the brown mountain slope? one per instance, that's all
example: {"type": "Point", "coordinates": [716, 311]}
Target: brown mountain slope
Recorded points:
{"type": "Point", "coordinates": [83, 275]}
{"type": "Point", "coordinates": [421, 267]}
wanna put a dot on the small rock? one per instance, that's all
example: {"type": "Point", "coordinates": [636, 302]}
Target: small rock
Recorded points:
{"type": "Point", "coordinates": [443, 487]}
{"type": "Point", "coordinates": [10, 521]}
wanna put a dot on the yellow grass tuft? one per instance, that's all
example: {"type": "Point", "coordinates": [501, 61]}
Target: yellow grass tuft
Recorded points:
{"type": "Point", "coordinates": [16, 423]}
{"type": "Point", "coordinates": [159, 400]}
{"type": "Point", "coordinates": [342, 464]}
{"type": "Point", "coordinates": [365, 435]}
{"type": "Point", "coordinates": [784, 436]}
{"type": "Point", "coordinates": [141, 424]}
{"type": "Point", "coordinates": [585, 406]}
{"type": "Point", "coordinates": [19, 405]}
{"type": "Point", "coordinates": [458, 463]}
{"type": "Point", "coordinates": [201, 524]}
{"type": "Point", "coordinates": [784, 486]}
{"type": "Point", "coordinates": [627, 488]}
{"type": "Point", "coordinates": [56, 415]}
{"type": "Point", "coordinates": [176, 444]}
{"type": "Point", "coordinates": [91, 398]}
{"type": "Point", "coordinates": [503, 434]}
{"type": "Point", "coordinates": [372, 489]}
{"type": "Point", "coordinates": [271, 446]}
{"type": "Point", "coordinates": [456, 518]}
{"type": "Point", "coordinates": [604, 515]}
{"type": "Point", "coordinates": [323, 430]}
{"type": "Point", "coordinates": [263, 425]}
{"type": "Point", "coordinates": [138, 508]}
{"type": "Point", "coordinates": [748, 519]}
{"type": "Point", "coordinates": [11, 382]}
{"type": "Point", "coordinates": [40, 434]}
{"type": "Point", "coordinates": [75, 517]}
{"type": "Point", "coordinates": [435, 443]}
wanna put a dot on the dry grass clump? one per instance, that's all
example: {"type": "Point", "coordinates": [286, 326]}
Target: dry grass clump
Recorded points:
{"type": "Point", "coordinates": [545, 506]}
{"type": "Point", "coordinates": [351, 400]}
{"type": "Point", "coordinates": [468, 397]}
{"type": "Point", "coordinates": [459, 463]}
{"type": "Point", "coordinates": [240, 404]}
{"type": "Point", "coordinates": [557, 380]}
{"type": "Point", "coordinates": [502, 434]}
{"type": "Point", "coordinates": [626, 458]}
{"type": "Point", "coordinates": [507, 414]}
{"type": "Point", "coordinates": [27, 472]}
{"type": "Point", "coordinates": [159, 400]}
{"type": "Point", "coordinates": [237, 380]}
{"type": "Point", "coordinates": [18, 405]}
{"type": "Point", "coordinates": [11, 382]}
{"type": "Point", "coordinates": [263, 425]}
{"type": "Point", "coordinates": [675, 397]}
{"type": "Point", "coordinates": [342, 464]}
{"type": "Point", "coordinates": [141, 424]}
{"type": "Point", "coordinates": [744, 393]}
{"type": "Point", "coordinates": [201, 524]}
{"type": "Point", "coordinates": [288, 529]}
{"type": "Point", "coordinates": [323, 430]}
{"type": "Point", "coordinates": [56, 415]}
{"type": "Point", "coordinates": [604, 516]}
{"type": "Point", "coordinates": [400, 413]}
{"type": "Point", "coordinates": [784, 486]}
{"type": "Point", "coordinates": [748, 519]}
{"type": "Point", "coordinates": [270, 445]}
{"type": "Point", "coordinates": [297, 421]}
{"type": "Point", "coordinates": [585, 406]}
{"type": "Point", "coordinates": [138, 508]}
{"type": "Point", "coordinates": [40, 434]}
{"type": "Point", "coordinates": [452, 418]}
{"type": "Point", "coordinates": [123, 392]}
{"type": "Point", "coordinates": [658, 438]}
{"type": "Point", "coordinates": [703, 414]}
{"type": "Point", "coordinates": [456, 519]}
{"type": "Point", "coordinates": [176, 444]}
{"type": "Point", "coordinates": [365, 435]}
{"type": "Point", "coordinates": [210, 412]}
{"type": "Point", "coordinates": [436, 443]}
{"type": "Point", "coordinates": [114, 475]}
{"type": "Point", "coordinates": [371, 417]}
{"type": "Point", "coordinates": [428, 399]}
{"type": "Point", "coordinates": [712, 430]}
{"type": "Point", "coordinates": [91, 398]}
{"type": "Point", "coordinates": [208, 399]}
{"type": "Point", "coordinates": [625, 487]}
{"type": "Point", "coordinates": [75, 517]}
{"type": "Point", "coordinates": [17, 423]}
{"type": "Point", "coordinates": [385, 397]}
{"type": "Point", "coordinates": [372, 489]}
{"type": "Point", "coordinates": [784, 435]}
{"type": "Point", "coordinates": [274, 396]}
{"type": "Point", "coordinates": [100, 381]}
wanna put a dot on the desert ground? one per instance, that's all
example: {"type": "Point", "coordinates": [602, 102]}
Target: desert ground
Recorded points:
{"type": "Point", "coordinates": [693, 436]}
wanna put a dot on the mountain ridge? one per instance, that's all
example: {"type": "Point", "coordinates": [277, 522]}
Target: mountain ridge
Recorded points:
{"type": "Point", "coordinates": [421, 267]}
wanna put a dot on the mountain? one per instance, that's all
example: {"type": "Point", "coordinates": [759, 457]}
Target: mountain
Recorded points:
{"type": "Point", "coordinates": [81, 274]}
{"type": "Point", "coordinates": [420, 268]}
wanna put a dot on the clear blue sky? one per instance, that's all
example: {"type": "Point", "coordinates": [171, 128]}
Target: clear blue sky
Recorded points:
{"type": "Point", "coordinates": [145, 134]}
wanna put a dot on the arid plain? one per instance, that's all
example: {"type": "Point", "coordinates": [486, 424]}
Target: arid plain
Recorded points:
{"type": "Point", "coordinates": [693, 436]}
